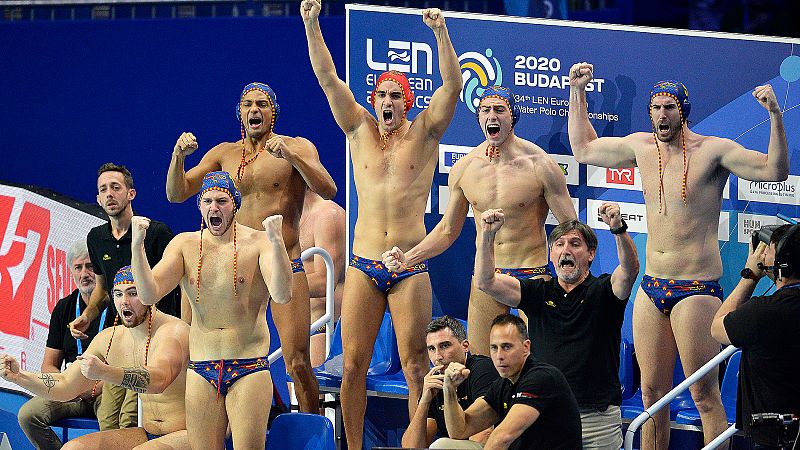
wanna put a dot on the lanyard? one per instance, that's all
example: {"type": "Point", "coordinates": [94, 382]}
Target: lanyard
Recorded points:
{"type": "Point", "coordinates": [795, 285]}
{"type": "Point", "coordinates": [78, 313]}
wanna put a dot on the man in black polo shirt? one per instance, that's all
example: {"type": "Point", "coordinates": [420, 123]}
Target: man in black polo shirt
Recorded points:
{"type": "Point", "coordinates": [36, 416]}
{"type": "Point", "coordinates": [531, 404]}
{"type": "Point", "coordinates": [576, 318]}
{"type": "Point", "coordinates": [110, 249]}
{"type": "Point", "coordinates": [766, 329]}
{"type": "Point", "coordinates": [447, 343]}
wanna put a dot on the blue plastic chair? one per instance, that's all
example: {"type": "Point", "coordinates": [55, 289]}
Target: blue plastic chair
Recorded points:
{"type": "Point", "coordinates": [730, 383]}
{"type": "Point", "coordinates": [385, 356]}
{"type": "Point", "coordinates": [627, 379]}
{"type": "Point", "coordinates": [10, 426]}
{"type": "Point", "coordinates": [300, 431]}
{"type": "Point", "coordinates": [76, 423]}
{"type": "Point", "coordinates": [634, 406]}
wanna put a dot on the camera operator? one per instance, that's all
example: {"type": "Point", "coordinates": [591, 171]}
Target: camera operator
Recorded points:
{"type": "Point", "coordinates": [766, 329]}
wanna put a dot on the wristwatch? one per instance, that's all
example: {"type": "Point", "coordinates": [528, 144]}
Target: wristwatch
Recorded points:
{"type": "Point", "coordinates": [749, 274]}
{"type": "Point", "coordinates": [621, 229]}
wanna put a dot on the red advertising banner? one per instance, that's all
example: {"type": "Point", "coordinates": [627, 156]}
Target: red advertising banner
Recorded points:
{"type": "Point", "coordinates": [35, 234]}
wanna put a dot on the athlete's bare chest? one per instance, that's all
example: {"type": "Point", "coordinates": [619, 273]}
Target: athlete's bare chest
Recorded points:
{"type": "Point", "coordinates": [507, 185]}
{"type": "Point", "coordinates": [261, 173]}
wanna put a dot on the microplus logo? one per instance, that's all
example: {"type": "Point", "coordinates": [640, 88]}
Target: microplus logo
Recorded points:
{"type": "Point", "coordinates": [403, 56]}
{"type": "Point", "coordinates": [775, 187]}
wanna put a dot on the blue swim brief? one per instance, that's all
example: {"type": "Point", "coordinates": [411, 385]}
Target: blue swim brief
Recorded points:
{"type": "Point", "coordinates": [666, 293]}
{"type": "Point", "coordinates": [151, 437]}
{"type": "Point", "coordinates": [380, 275]}
{"type": "Point", "coordinates": [297, 265]}
{"type": "Point", "coordinates": [222, 373]}
{"type": "Point", "coordinates": [525, 272]}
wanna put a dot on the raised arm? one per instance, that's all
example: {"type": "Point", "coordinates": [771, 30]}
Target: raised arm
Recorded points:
{"type": "Point", "coordinates": [741, 293]}
{"type": "Point", "coordinates": [153, 284]}
{"type": "Point", "coordinates": [436, 118]}
{"type": "Point", "coordinates": [503, 288]}
{"type": "Point", "coordinates": [304, 157]}
{"type": "Point", "coordinates": [180, 184]}
{"type": "Point", "coordinates": [441, 236]}
{"type": "Point", "coordinates": [555, 190]}
{"type": "Point", "coordinates": [274, 261]}
{"type": "Point", "coordinates": [346, 111]}
{"type": "Point", "coordinates": [625, 274]}
{"type": "Point", "coordinates": [753, 165]}
{"type": "Point", "coordinates": [166, 360]}
{"type": "Point", "coordinates": [329, 233]}
{"type": "Point", "coordinates": [586, 146]}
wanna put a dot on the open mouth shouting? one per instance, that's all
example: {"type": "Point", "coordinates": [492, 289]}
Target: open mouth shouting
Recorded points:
{"type": "Point", "coordinates": [493, 130]}
{"type": "Point", "coordinates": [255, 122]}
{"type": "Point", "coordinates": [127, 314]}
{"type": "Point", "coordinates": [566, 262]}
{"type": "Point", "coordinates": [388, 116]}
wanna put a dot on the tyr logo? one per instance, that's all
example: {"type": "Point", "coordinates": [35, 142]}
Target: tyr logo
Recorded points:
{"type": "Point", "coordinates": [620, 176]}
{"type": "Point", "coordinates": [20, 264]}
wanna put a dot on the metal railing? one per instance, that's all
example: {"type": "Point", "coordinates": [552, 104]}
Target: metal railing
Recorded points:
{"type": "Point", "coordinates": [327, 318]}
{"type": "Point", "coordinates": [664, 401]}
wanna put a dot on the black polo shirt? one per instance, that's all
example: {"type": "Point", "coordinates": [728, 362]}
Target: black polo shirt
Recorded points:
{"type": "Point", "coordinates": [767, 331]}
{"type": "Point", "coordinates": [481, 375]}
{"type": "Point", "coordinates": [59, 337]}
{"type": "Point", "coordinates": [108, 255]}
{"type": "Point", "coordinates": [543, 387]}
{"type": "Point", "coordinates": [579, 333]}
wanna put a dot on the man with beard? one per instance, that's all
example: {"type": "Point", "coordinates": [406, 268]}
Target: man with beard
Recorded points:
{"type": "Point", "coordinates": [147, 354]}
{"type": "Point", "coordinates": [38, 413]}
{"type": "Point", "coordinates": [507, 172]}
{"type": "Point", "coordinates": [272, 183]}
{"type": "Point", "coordinates": [109, 250]}
{"type": "Point", "coordinates": [576, 318]}
{"type": "Point", "coordinates": [229, 274]}
{"type": "Point", "coordinates": [679, 294]}
{"type": "Point", "coordinates": [393, 164]}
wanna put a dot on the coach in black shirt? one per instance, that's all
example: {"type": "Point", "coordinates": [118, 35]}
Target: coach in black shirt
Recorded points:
{"type": "Point", "coordinates": [110, 244]}
{"type": "Point", "coordinates": [531, 405]}
{"type": "Point", "coordinates": [110, 249]}
{"type": "Point", "coordinates": [576, 318]}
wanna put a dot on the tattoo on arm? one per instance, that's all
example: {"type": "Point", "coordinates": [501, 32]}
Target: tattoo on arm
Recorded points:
{"type": "Point", "coordinates": [48, 381]}
{"type": "Point", "coordinates": [136, 379]}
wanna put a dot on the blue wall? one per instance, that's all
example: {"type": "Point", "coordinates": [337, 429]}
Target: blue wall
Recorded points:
{"type": "Point", "coordinates": [77, 94]}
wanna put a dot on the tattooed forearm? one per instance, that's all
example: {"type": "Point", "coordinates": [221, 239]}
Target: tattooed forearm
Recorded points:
{"type": "Point", "coordinates": [136, 379]}
{"type": "Point", "coordinates": [48, 381]}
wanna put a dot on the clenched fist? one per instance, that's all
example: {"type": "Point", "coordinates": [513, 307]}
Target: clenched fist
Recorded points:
{"type": "Point", "coordinates": [309, 9]}
{"type": "Point", "coordinates": [273, 226]}
{"type": "Point", "coordinates": [766, 97]}
{"type": "Point", "coordinates": [186, 144]}
{"type": "Point", "coordinates": [139, 226]}
{"type": "Point", "coordinates": [580, 75]}
{"type": "Point", "coordinates": [394, 260]}
{"type": "Point", "coordinates": [433, 18]}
